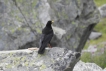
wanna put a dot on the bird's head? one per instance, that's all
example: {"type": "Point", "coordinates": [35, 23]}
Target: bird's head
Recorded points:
{"type": "Point", "coordinates": [49, 23]}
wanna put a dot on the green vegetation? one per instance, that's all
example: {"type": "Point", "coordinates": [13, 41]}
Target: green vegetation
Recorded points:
{"type": "Point", "coordinates": [101, 59]}
{"type": "Point", "coordinates": [100, 27]}
{"type": "Point", "coordinates": [42, 67]}
{"type": "Point", "coordinates": [100, 2]}
{"type": "Point", "coordinates": [20, 1]}
{"type": "Point", "coordinates": [98, 59]}
{"type": "Point", "coordinates": [34, 3]}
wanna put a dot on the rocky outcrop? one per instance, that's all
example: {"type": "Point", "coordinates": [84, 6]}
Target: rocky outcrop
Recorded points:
{"type": "Point", "coordinates": [77, 18]}
{"type": "Point", "coordinates": [82, 66]}
{"type": "Point", "coordinates": [102, 10]}
{"type": "Point", "coordinates": [95, 35]}
{"type": "Point", "coordinates": [55, 59]}
{"type": "Point", "coordinates": [22, 21]}
{"type": "Point", "coordinates": [21, 24]}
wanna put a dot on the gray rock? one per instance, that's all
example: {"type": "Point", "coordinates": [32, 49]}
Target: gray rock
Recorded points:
{"type": "Point", "coordinates": [95, 35]}
{"type": "Point", "coordinates": [73, 21]}
{"type": "Point", "coordinates": [82, 66]}
{"type": "Point", "coordinates": [76, 19]}
{"type": "Point", "coordinates": [54, 59]}
{"type": "Point", "coordinates": [102, 10]}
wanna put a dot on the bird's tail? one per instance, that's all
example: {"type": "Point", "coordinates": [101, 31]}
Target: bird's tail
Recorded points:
{"type": "Point", "coordinates": [41, 50]}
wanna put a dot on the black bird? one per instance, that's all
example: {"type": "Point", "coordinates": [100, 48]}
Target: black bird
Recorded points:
{"type": "Point", "coordinates": [47, 34]}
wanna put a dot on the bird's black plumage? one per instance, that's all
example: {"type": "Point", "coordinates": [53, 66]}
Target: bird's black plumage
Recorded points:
{"type": "Point", "coordinates": [47, 34]}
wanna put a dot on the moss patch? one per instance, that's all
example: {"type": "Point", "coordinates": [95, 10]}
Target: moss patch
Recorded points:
{"type": "Point", "coordinates": [43, 67]}
{"type": "Point", "coordinates": [100, 2]}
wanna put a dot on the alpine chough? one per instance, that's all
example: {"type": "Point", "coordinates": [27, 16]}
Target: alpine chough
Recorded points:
{"type": "Point", "coordinates": [47, 34]}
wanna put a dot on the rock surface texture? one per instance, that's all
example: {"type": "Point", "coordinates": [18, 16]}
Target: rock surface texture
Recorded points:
{"type": "Point", "coordinates": [55, 59]}
{"type": "Point", "coordinates": [102, 10]}
{"type": "Point", "coordinates": [74, 20]}
{"type": "Point", "coordinates": [95, 35]}
{"type": "Point", "coordinates": [21, 22]}
{"type": "Point", "coordinates": [81, 66]}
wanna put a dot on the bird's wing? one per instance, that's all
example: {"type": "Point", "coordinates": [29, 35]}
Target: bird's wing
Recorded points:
{"type": "Point", "coordinates": [45, 39]}
{"type": "Point", "coordinates": [41, 40]}
{"type": "Point", "coordinates": [47, 30]}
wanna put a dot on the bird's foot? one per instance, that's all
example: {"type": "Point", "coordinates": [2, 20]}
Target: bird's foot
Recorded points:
{"type": "Point", "coordinates": [49, 46]}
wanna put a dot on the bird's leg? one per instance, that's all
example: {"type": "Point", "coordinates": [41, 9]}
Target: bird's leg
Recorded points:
{"type": "Point", "coordinates": [49, 45]}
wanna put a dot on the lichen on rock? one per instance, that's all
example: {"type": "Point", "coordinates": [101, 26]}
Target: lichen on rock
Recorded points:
{"type": "Point", "coordinates": [55, 59]}
{"type": "Point", "coordinates": [21, 22]}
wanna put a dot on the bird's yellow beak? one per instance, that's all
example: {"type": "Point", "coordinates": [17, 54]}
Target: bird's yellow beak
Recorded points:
{"type": "Point", "coordinates": [52, 21]}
